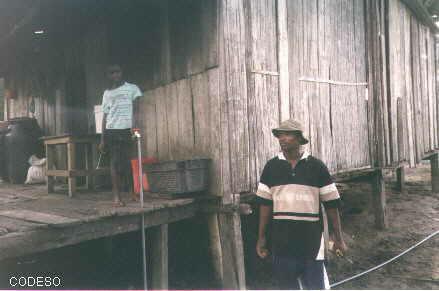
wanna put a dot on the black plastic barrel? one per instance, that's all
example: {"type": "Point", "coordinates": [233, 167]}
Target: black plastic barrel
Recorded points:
{"type": "Point", "coordinates": [21, 142]}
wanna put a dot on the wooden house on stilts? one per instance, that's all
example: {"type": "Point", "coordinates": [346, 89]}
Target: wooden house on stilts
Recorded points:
{"type": "Point", "coordinates": [218, 75]}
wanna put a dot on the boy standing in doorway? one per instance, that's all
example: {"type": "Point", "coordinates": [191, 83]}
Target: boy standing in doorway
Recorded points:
{"type": "Point", "coordinates": [119, 105]}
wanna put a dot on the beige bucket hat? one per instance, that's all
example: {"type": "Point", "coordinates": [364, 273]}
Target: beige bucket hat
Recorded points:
{"type": "Point", "coordinates": [290, 125]}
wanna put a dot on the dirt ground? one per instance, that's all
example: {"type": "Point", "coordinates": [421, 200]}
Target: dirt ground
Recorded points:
{"type": "Point", "coordinates": [412, 216]}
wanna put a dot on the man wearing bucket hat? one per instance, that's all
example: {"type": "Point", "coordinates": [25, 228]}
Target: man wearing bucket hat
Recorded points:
{"type": "Point", "coordinates": [290, 192]}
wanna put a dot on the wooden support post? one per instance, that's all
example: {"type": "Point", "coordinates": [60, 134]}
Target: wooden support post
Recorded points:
{"type": "Point", "coordinates": [232, 249]}
{"type": "Point", "coordinates": [434, 163]}
{"type": "Point", "coordinates": [159, 256]}
{"type": "Point", "coordinates": [238, 250]}
{"type": "Point", "coordinates": [215, 246]}
{"type": "Point", "coordinates": [71, 165]}
{"type": "Point", "coordinates": [50, 155]}
{"type": "Point", "coordinates": [400, 179]}
{"type": "Point", "coordinates": [89, 166]}
{"type": "Point", "coordinates": [379, 199]}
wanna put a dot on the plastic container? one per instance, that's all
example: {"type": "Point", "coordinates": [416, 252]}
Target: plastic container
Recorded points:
{"type": "Point", "coordinates": [135, 171]}
{"type": "Point", "coordinates": [178, 177]}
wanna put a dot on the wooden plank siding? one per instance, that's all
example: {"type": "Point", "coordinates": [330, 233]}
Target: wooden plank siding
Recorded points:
{"type": "Point", "coordinates": [262, 83]}
{"type": "Point", "coordinates": [411, 76]}
{"type": "Point", "coordinates": [218, 75]}
{"type": "Point", "coordinates": [327, 42]}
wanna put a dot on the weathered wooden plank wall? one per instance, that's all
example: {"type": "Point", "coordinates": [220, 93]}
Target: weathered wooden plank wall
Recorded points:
{"type": "Point", "coordinates": [327, 42]}
{"type": "Point", "coordinates": [411, 76]}
{"type": "Point", "coordinates": [262, 84]}
{"type": "Point", "coordinates": [173, 129]}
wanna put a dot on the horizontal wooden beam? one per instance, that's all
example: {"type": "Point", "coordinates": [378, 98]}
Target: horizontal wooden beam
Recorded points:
{"type": "Point", "coordinates": [271, 73]}
{"type": "Point", "coordinates": [78, 173]}
{"type": "Point", "coordinates": [331, 82]}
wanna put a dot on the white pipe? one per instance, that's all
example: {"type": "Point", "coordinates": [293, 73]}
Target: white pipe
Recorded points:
{"type": "Point", "coordinates": [139, 159]}
{"type": "Point", "coordinates": [386, 262]}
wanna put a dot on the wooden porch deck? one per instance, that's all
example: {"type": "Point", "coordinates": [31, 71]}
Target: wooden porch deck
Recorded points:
{"type": "Point", "coordinates": [33, 221]}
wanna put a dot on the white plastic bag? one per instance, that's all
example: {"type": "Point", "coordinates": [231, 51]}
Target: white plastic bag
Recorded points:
{"type": "Point", "coordinates": [37, 172]}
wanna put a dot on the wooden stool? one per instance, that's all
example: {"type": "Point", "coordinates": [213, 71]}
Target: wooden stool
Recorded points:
{"type": "Point", "coordinates": [72, 172]}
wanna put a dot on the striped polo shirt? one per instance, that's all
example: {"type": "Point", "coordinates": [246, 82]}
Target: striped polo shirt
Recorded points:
{"type": "Point", "coordinates": [296, 194]}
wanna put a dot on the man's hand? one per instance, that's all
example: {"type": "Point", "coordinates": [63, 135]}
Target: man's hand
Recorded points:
{"type": "Point", "coordinates": [340, 247]}
{"type": "Point", "coordinates": [261, 248]}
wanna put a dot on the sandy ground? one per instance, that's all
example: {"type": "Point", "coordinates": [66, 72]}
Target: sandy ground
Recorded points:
{"type": "Point", "coordinates": [412, 216]}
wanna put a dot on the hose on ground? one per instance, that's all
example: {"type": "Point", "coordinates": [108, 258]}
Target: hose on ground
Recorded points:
{"type": "Point", "coordinates": [386, 262]}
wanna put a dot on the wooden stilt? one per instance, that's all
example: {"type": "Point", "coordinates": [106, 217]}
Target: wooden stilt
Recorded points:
{"type": "Point", "coordinates": [400, 179]}
{"type": "Point", "coordinates": [238, 250]}
{"type": "Point", "coordinates": [434, 163]}
{"type": "Point", "coordinates": [232, 250]}
{"type": "Point", "coordinates": [215, 246]}
{"type": "Point", "coordinates": [379, 200]}
{"type": "Point", "coordinates": [158, 238]}
{"type": "Point", "coordinates": [229, 279]}
{"type": "Point", "coordinates": [71, 165]}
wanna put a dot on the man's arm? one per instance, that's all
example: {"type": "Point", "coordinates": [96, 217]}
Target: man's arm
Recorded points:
{"type": "Point", "coordinates": [265, 214]}
{"type": "Point", "coordinates": [334, 219]}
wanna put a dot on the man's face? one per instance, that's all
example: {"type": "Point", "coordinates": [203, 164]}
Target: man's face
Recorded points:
{"type": "Point", "coordinates": [115, 74]}
{"type": "Point", "coordinates": [289, 141]}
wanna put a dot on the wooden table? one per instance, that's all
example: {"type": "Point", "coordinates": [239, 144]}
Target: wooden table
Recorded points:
{"type": "Point", "coordinates": [72, 172]}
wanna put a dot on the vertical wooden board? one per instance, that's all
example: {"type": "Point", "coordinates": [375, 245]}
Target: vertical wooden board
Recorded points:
{"type": "Point", "coordinates": [338, 112]}
{"type": "Point", "coordinates": [266, 96]}
{"type": "Point", "coordinates": [361, 76]}
{"type": "Point", "coordinates": [395, 72]}
{"type": "Point", "coordinates": [160, 96]}
{"type": "Point", "coordinates": [219, 174]}
{"type": "Point", "coordinates": [430, 76]}
{"type": "Point", "coordinates": [251, 57]}
{"type": "Point", "coordinates": [165, 52]}
{"type": "Point", "coordinates": [310, 69]}
{"type": "Point", "coordinates": [209, 18]}
{"type": "Point", "coordinates": [220, 91]}
{"type": "Point", "coordinates": [236, 90]}
{"type": "Point", "coordinates": [424, 88]}
{"type": "Point", "coordinates": [433, 75]}
{"type": "Point", "coordinates": [376, 133]}
{"type": "Point", "coordinates": [171, 97]}
{"type": "Point", "coordinates": [201, 101]}
{"type": "Point", "coordinates": [294, 9]}
{"type": "Point", "coordinates": [283, 60]}
{"type": "Point", "coordinates": [194, 42]}
{"type": "Point", "coordinates": [385, 98]}
{"type": "Point", "coordinates": [185, 119]}
{"type": "Point", "coordinates": [253, 128]}
{"type": "Point", "coordinates": [402, 128]}
{"type": "Point", "coordinates": [59, 108]}
{"type": "Point", "coordinates": [325, 46]}
{"type": "Point", "coordinates": [262, 103]}
{"type": "Point", "coordinates": [150, 124]}
{"type": "Point", "coordinates": [409, 89]}
{"type": "Point", "coordinates": [417, 93]}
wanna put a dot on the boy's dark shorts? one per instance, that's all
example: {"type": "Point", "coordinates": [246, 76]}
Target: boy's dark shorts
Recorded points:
{"type": "Point", "coordinates": [119, 144]}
